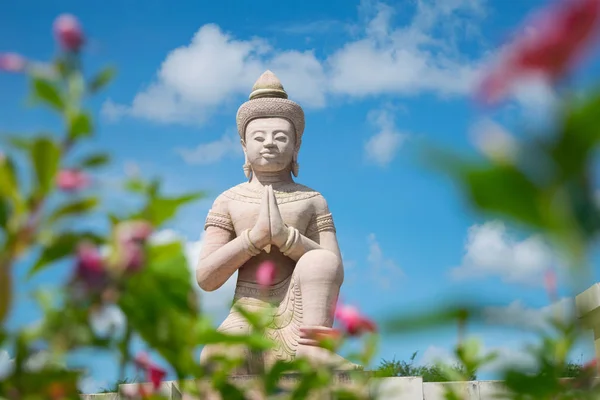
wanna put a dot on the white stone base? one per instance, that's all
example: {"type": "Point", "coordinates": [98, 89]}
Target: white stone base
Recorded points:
{"type": "Point", "coordinates": [397, 388]}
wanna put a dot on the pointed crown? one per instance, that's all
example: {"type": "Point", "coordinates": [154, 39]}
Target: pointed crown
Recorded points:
{"type": "Point", "coordinates": [269, 99]}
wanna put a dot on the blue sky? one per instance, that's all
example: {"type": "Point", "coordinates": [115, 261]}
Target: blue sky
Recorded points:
{"type": "Point", "coordinates": [375, 80]}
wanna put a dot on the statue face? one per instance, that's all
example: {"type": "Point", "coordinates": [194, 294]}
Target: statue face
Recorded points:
{"type": "Point", "coordinates": [270, 144]}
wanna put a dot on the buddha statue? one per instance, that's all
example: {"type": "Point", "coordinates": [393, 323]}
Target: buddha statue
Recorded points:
{"type": "Point", "coordinates": [272, 218]}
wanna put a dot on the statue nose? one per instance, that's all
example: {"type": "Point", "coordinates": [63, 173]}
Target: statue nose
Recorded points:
{"type": "Point", "coordinates": [269, 142]}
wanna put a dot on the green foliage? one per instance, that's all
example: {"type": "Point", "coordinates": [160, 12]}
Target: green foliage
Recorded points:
{"type": "Point", "coordinates": [45, 158]}
{"type": "Point", "coordinates": [80, 125]}
{"type": "Point", "coordinates": [102, 79]}
{"type": "Point", "coordinates": [429, 373]}
{"type": "Point", "coordinates": [94, 161]}
{"type": "Point", "coordinates": [48, 93]}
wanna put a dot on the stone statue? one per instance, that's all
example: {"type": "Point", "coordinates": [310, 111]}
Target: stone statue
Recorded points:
{"type": "Point", "coordinates": [272, 218]}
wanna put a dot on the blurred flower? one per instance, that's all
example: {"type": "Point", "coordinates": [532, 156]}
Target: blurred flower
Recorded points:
{"type": "Point", "coordinates": [12, 62]}
{"type": "Point", "coordinates": [68, 33]}
{"type": "Point", "coordinates": [154, 373]}
{"type": "Point", "coordinates": [133, 231]}
{"type": "Point", "coordinates": [265, 275]}
{"type": "Point", "coordinates": [560, 36]}
{"type": "Point", "coordinates": [550, 283]}
{"type": "Point", "coordinates": [57, 391]}
{"type": "Point", "coordinates": [72, 179]}
{"type": "Point", "coordinates": [130, 241]}
{"type": "Point", "coordinates": [90, 265]}
{"type": "Point", "coordinates": [353, 322]}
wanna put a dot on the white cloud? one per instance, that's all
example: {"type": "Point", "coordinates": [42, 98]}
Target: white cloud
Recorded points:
{"type": "Point", "coordinates": [195, 80]}
{"type": "Point", "coordinates": [212, 152]}
{"type": "Point", "coordinates": [217, 303]}
{"type": "Point", "coordinates": [383, 270]}
{"type": "Point", "coordinates": [383, 146]}
{"type": "Point", "coordinates": [516, 314]}
{"type": "Point", "coordinates": [212, 70]}
{"type": "Point", "coordinates": [491, 251]}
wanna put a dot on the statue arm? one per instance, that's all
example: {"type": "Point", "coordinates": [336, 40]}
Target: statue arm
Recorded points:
{"type": "Point", "coordinates": [222, 252]}
{"type": "Point", "coordinates": [320, 234]}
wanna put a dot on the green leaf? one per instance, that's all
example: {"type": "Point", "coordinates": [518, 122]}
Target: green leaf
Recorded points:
{"type": "Point", "coordinates": [8, 179]}
{"type": "Point", "coordinates": [94, 160]}
{"type": "Point", "coordinates": [62, 246]}
{"type": "Point", "coordinates": [5, 293]}
{"type": "Point", "coordinates": [75, 207]}
{"type": "Point", "coordinates": [80, 125]}
{"type": "Point", "coordinates": [48, 92]}
{"type": "Point", "coordinates": [45, 157]}
{"type": "Point", "coordinates": [506, 190]}
{"type": "Point", "coordinates": [102, 79]}
{"type": "Point", "coordinates": [136, 185]}
{"type": "Point", "coordinates": [20, 143]}
{"type": "Point", "coordinates": [162, 209]}
{"type": "Point", "coordinates": [434, 318]}
{"type": "Point", "coordinates": [4, 212]}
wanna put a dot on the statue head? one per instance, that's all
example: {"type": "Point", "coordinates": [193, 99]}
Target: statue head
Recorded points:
{"type": "Point", "coordinates": [270, 127]}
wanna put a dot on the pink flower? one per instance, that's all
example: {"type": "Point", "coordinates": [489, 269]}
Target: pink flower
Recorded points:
{"type": "Point", "coordinates": [72, 179]}
{"type": "Point", "coordinates": [562, 34]}
{"type": "Point", "coordinates": [592, 364]}
{"type": "Point", "coordinates": [550, 282]}
{"type": "Point", "coordinates": [90, 266]}
{"type": "Point", "coordinates": [265, 275]}
{"type": "Point", "coordinates": [133, 257]}
{"type": "Point", "coordinates": [353, 322]}
{"type": "Point", "coordinates": [12, 62]}
{"type": "Point", "coordinates": [130, 239]}
{"type": "Point", "coordinates": [68, 33]}
{"type": "Point", "coordinates": [154, 373]}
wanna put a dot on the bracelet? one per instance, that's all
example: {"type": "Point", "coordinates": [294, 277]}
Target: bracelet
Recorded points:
{"type": "Point", "coordinates": [292, 239]}
{"type": "Point", "coordinates": [249, 246]}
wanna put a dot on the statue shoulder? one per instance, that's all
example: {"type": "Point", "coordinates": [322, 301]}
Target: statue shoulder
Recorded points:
{"type": "Point", "coordinates": [221, 203]}
{"type": "Point", "coordinates": [322, 220]}
{"type": "Point", "coordinates": [218, 215]}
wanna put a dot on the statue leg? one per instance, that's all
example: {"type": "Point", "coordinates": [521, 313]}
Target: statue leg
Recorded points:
{"type": "Point", "coordinates": [320, 275]}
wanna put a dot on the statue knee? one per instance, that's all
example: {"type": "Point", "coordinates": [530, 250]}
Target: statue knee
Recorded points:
{"type": "Point", "coordinates": [320, 265]}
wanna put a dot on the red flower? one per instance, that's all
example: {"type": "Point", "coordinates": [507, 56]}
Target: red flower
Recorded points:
{"type": "Point", "coordinates": [265, 275]}
{"type": "Point", "coordinates": [68, 33]}
{"type": "Point", "coordinates": [562, 34]}
{"type": "Point", "coordinates": [12, 62]}
{"type": "Point", "coordinates": [90, 266]}
{"type": "Point", "coordinates": [154, 373]}
{"type": "Point", "coordinates": [353, 322]}
{"type": "Point", "coordinates": [72, 179]}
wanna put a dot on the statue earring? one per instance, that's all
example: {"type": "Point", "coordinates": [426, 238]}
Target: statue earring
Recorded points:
{"type": "Point", "coordinates": [247, 169]}
{"type": "Point", "coordinates": [295, 165]}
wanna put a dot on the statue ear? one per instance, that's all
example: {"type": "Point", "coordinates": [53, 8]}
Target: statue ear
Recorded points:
{"type": "Point", "coordinates": [246, 166]}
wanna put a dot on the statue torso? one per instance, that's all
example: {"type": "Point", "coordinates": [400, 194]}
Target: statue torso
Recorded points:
{"type": "Point", "coordinates": [296, 204]}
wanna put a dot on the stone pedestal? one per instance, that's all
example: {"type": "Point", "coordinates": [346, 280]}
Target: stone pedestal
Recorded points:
{"type": "Point", "coordinates": [588, 311]}
{"type": "Point", "coordinates": [398, 388]}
